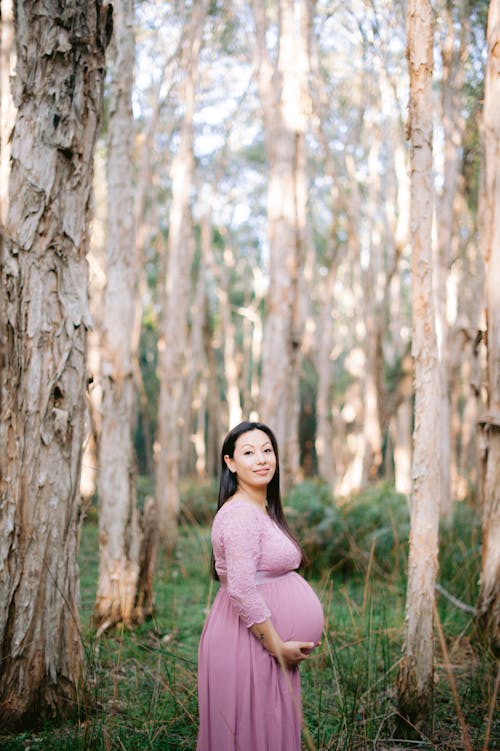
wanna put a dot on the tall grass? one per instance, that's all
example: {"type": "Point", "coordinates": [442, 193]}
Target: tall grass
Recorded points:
{"type": "Point", "coordinates": [139, 690]}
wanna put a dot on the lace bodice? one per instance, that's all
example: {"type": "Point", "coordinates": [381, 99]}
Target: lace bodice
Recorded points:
{"type": "Point", "coordinates": [246, 540]}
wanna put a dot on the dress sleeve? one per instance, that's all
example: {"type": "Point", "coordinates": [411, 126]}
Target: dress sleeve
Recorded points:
{"type": "Point", "coordinates": [241, 540]}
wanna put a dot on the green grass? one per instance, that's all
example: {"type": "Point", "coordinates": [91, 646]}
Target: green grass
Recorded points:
{"type": "Point", "coordinates": [140, 686]}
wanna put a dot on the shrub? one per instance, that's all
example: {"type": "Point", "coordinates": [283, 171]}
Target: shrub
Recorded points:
{"type": "Point", "coordinates": [343, 536]}
{"type": "Point", "coordinates": [198, 502]}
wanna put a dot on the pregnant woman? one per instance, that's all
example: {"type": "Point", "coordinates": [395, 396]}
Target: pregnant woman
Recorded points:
{"type": "Point", "coordinates": [265, 618]}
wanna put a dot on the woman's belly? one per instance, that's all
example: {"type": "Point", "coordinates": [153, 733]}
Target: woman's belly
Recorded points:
{"type": "Point", "coordinates": [296, 611]}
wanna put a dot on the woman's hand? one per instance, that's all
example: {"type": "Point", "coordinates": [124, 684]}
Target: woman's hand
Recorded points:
{"type": "Point", "coordinates": [292, 653]}
{"type": "Point", "coordinates": [289, 654]}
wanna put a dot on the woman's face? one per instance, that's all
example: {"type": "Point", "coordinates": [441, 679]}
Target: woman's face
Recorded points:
{"type": "Point", "coordinates": [254, 460]}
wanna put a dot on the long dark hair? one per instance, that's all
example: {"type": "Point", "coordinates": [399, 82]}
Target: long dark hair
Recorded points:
{"type": "Point", "coordinates": [229, 482]}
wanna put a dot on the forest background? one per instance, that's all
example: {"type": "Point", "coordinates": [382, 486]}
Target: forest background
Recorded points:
{"type": "Point", "coordinates": [259, 245]}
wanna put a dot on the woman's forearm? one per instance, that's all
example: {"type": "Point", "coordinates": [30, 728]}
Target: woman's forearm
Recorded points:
{"type": "Point", "coordinates": [289, 654]}
{"type": "Point", "coordinates": [268, 637]}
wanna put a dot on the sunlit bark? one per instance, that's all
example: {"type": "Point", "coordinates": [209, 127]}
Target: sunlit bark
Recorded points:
{"type": "Point", "coordinates": [42, 408]}
{"type": "Point", "coordinates": [489, 585]}
{"type": "Point", "coordinates": [415, 679]}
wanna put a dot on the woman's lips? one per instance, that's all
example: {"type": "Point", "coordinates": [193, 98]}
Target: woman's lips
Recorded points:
{"type": "Point", "coordinates": [262, 471]}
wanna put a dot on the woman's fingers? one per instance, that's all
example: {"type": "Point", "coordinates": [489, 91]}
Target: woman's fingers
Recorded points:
{"type": "Point", "coordinates": [307, 645]}
{"type": "Point", "coordinates": [292, 653]}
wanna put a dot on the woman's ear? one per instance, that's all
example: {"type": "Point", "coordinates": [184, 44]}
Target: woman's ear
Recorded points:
{"type": "Point", "coordinates": [229, 462]}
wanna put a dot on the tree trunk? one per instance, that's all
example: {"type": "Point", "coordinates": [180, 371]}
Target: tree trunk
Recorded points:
{"type": "Point", "coordinates": [228, 336]}
{"type": "Point", "coordinates": [119, 533]}
{"type": "Point", "coordinates": [489, 585]}
{"type": "Point", "coordinates": [372, 432]}
{"type": "Point", "coordinates": [401, 428]}
{"type": "Point", "coordinates": [285, 122]}
{"type": "Point", "coordinates": [415, 679]}
{"type": "Point", "coordinates": [324, 429]}
{"type": "Point", "coordinates": [176, 297]}
{"type": "Point", "coordinates": [59, 49]}
{"type": "Point", "coordinates": [193, 397]}
{"type": "Point", "coordinates": [453, 60]}
{"type": "Point", "coordinates": [97, 282]}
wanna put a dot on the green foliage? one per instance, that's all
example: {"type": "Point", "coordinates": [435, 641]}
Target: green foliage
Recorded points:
{"type": "Point", "coordinates": [139, 692]}
{"type": "Point", "coordinates": [198, 502]}
{"type": "Point", "coordinates": [370, 529]}
{"type": "Point", "coordinates": [148, 405]}
{"type": "Point", "coordinates": [144, 488]}
{"type": "Point", "coordinates": [460, 561]}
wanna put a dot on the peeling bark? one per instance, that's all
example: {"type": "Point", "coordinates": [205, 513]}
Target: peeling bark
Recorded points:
{"type": "Point", "coordinates": [60, 48]}
{"type": "Point", "coordinates": [415, 679]}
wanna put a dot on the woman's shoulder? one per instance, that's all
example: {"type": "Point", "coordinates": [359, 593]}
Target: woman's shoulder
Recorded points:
{"type": "Point", "coordinates": [239, 508]}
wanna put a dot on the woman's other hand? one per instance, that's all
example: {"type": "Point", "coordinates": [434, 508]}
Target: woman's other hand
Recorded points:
{"type": "Point", "coordinates": [292, 653]}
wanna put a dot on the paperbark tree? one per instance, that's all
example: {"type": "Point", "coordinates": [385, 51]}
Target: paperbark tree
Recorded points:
{"type": "Point", "coordinates": [453, 58]}
{"type": "Point", "coordinates": [59, 49]}
{"type": "Point", "coordinates": [119, 529]}
{"type": "Point", "coordinates": [146, 225]}
{"type": "Point", "coordinates": [195, 387]}
{"type": "Point", "coordinates": [489, 585]}
{"type": "Point", "coordinates": [284, 97]}
{"type": "Point", "coordinates": [415, 679]}
{"type": "Point", "coordinates": [222, 274]}
{"type": "Point", "coordinates": [176, 295]}
{"type": "Point", "coordinates": [372, 209]}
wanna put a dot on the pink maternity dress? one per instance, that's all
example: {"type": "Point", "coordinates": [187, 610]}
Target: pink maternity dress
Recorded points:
{"type": "Point", "coordinates": [247, 701]}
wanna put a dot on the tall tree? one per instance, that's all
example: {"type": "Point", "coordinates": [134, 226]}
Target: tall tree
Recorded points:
{"type": "Point", "coordinates": [452, 48]}
{"type": "Point", "coordinates": [119, 531]}
{"type": "Point", "coordinates": [284, 95]}
{"type": "Point", "coordinates": [489, 586]}
{"type": "Point", "coordinates": [60, 48]}
{"type": "Point", "coordinates": [175, 294]}
{"type": "Point", "coordinates": [415, 678]}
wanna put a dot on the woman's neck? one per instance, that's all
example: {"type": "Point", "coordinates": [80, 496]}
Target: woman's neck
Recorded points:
{"type": "Point", "coordinates": [255, 495]}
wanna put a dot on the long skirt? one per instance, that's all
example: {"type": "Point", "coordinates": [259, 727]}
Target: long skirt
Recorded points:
{"type": "Point", "coordinates": [247, 702]}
